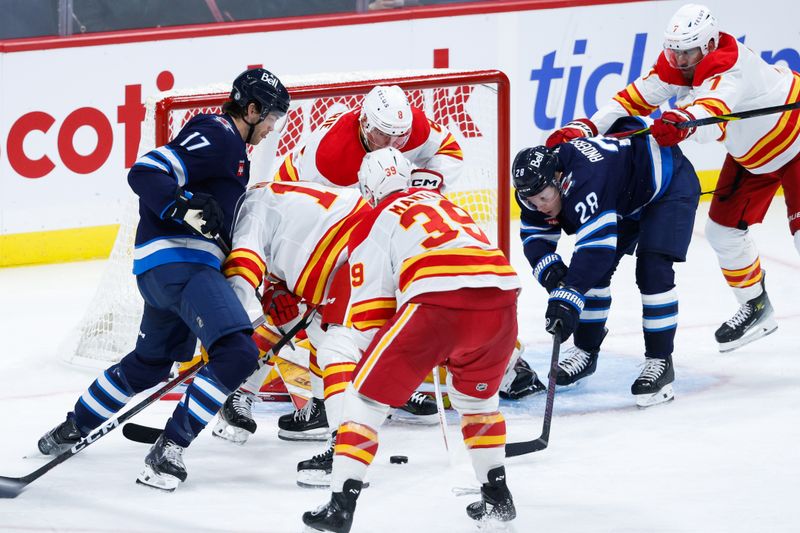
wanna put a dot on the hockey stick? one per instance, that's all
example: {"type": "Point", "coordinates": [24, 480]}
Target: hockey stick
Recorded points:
{"type": "Point", "coordinates": [11, 487]}
{"type": "Point", "coordinates": [437, 391]}
{"type": "Point", "coordinates": [514, 449]}
{"type": "Point", "coordinates": [716, 119]}
{"type": "Point", "coordinates": [149, 435]}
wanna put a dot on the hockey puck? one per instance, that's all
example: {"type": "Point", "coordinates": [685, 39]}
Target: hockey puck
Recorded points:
{"type": "Point", "coordinates": [398, 459]}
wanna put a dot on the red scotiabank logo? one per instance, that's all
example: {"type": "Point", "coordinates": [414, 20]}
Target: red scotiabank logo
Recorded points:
{"type": "Point", "coordinates": [445, 106]}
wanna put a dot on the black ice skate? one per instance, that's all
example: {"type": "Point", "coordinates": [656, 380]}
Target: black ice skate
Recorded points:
{"type": "Point", "coordinates": [315, 473]}
{"type": "Point", "coordinates": [576, 365]}
{"type": "Point", "coordinates": [337, 514]}
{"type": "Point", "coordinates": [496, 501]}
{"type": "Point", "coordinates": [236, 422]}
{"type": "Point", "coordinates": [419, 409]}
{"type": "Point", "coordinates": [163, 466]}
{"type": "Point", "coordinates": [654, 384]}
{"type": "Point", "coordinates": [308, 423]}
{"type": "Point", "coordinates": [520, 381]}
{"type": "Point", "coordinates": [753, 320]}
{"type": "Point", "coordinates": [60, 439]}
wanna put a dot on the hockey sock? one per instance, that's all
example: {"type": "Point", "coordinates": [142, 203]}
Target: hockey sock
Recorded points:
{"type": "Point", "coordinates": [231, 359]}
{"type": "Point", "coordinates": [202, 400]}
{"type": "Point", "coordinates": [105, 396]}
{"type": "Point", "coordinates": [357, 438]}
{"type": "Point", "coordinates": [317, 386]}
{"type": "Point", "coordinates": [592, 322]}
{"type": "Point", "coordinates": [738, 259]}
{"type": "Point", "coordinates": [485, 437]}
{"type": "Point", "coordinates": [659, 322]}
{"type": "Point", "coordinates": [335, 377]}
{"type": "Point", "coordinates": [253, 383]}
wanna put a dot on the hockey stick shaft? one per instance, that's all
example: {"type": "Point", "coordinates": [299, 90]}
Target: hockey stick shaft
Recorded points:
{"type": "Point", "coordinates": [149, 435]}
{"type": "Point", "coordinates": [514, 449]}
{"type": "Point", "coordinates": [437, 392]}
{"type": "Point", "coordinates": [11, 487]}
{"type": "Point", "coordinates": [717, 119]}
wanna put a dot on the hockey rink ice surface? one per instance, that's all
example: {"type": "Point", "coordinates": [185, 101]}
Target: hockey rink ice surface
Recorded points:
{"type": "Point", "coordinates": [723, 457]}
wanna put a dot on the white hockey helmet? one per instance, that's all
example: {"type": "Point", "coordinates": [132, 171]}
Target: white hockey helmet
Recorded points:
{"type": "Point", "coordinates": [386, 117]}
{"type": "Point", "coordinates": [691, 27]}
{"type": "Point", "coordinates": [383, 172]}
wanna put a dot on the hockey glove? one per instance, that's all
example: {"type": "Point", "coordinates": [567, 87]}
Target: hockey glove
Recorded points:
{"type": "Point", "coordinates": [549, 271]}
{"type": "Point", "coordinates": [199, 211]}
{"type": "Point", "coordinates": [665, 131]}
{"type": "Point", "coordinates": [581, 127]}
{"type": "Point", "coordinates": [280, 304]}
{"type": "Point", "coordinates": [563, 309]}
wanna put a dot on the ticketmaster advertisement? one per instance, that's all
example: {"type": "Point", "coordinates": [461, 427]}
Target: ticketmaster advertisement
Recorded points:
{"type": "Point", "coordinates": [71, 115]}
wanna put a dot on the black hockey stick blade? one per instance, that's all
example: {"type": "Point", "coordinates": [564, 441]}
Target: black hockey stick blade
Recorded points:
{"type": "Point", "coordinates": [10, 487]}
{"type": "Point", "coordinates": [140, 433]}
{"type": "Point", "coordinates": [514, 449]}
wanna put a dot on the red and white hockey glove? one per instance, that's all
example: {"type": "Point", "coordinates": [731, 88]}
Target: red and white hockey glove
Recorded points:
{"type": "Point", "coordinates": [428, 179]}
{"type": "Point", "coordinates": [580, 127]}
{"type": "Point", "coordinates": [280, 304]}
{"type": "Point", "coordinates": [665, 131]}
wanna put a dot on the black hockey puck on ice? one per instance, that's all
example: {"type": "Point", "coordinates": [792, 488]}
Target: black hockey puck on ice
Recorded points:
{"type": "Point", "coordinates": [398, 459]}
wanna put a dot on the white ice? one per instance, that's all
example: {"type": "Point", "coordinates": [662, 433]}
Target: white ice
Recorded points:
{"type": "Point", "coordinates": [723, 457]}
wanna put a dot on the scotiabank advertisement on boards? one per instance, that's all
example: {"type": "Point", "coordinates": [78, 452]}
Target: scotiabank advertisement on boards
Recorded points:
{"type": "Point", "coordinates": [70, 118]}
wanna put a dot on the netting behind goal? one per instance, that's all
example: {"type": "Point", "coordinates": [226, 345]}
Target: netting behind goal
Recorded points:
{"type": "Point", "coordinates": [474, 106]}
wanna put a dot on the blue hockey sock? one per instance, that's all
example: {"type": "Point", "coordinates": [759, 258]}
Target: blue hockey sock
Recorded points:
{"type": "Point", "coordinates": [105, 396]}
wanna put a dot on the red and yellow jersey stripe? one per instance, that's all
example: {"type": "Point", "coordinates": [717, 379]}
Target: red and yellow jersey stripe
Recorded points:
{"type": "Point", "coordinates": [247, 264]}
{"type": "Point", "coordinates": [454, 262]}
{"type": "Point", "coordinates": [633, 102]}
{"type": "Point", "coordinates": [779, 138]}
{"type": "Point", "coordinates": [484, 430]}
{"type": "Point", "coordinates": [372, 313]}
{"type": "Point", "coordinates": [450, 147]}
{"type": "Point", "coordinates": [315, 274]}
{"type": "Point", "coordinates": [715, 107]}
{"type": "Point", "coordinates": [287, 170]}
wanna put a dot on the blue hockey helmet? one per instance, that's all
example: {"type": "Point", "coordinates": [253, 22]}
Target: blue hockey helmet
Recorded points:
{"type": "Point", "coordinates": [262, 87]}
{"type": "Point", "coordinates": [534, 169]}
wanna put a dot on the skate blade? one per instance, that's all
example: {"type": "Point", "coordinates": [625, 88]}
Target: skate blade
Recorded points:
{"type": "Point", "coordinates": [318, 479]}
{"type": "Point", "coordinates": [401, 417]}
{"type": "Point", "coordinates": [313, 479]}
{"type": "Point", "coordinates": [761, 330]}
{"type": "Point", "coordinates": [666, 394]}
{"type": "Point", "coordinates": [230, 433]}
{"type": "Point", "coordinates": [152, 479]}
{"type": "Point", "coordinates": [493, 525]}
{"type": "Point", "coordinates": [317, 435]}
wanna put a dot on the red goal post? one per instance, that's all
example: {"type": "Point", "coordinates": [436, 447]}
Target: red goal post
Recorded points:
{"type": "Point", "coordinates": [473, 105]}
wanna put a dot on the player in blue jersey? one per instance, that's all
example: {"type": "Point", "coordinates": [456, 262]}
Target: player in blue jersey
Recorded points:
{"type": "Point", "coordinates": [616, 197]}
{"type": "Point", "coordinates": [187, 191]}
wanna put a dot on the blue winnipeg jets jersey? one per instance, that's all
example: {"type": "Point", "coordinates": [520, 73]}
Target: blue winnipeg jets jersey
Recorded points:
{"type": "Point", "coordinates": [604, 181]}
{"type": "Point", "coordinates": [207, 156]}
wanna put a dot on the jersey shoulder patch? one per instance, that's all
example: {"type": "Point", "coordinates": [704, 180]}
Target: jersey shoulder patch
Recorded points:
{"type": "Point", "coordinates": [340, 152]}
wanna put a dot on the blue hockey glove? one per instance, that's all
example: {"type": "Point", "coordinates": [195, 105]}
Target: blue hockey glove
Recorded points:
{"type": "Point", "coordinates": [563, 309]}
{"type": "Point", "coordinates": [549, 271]}
{"type": "Point", "coordinates": [199, 211]}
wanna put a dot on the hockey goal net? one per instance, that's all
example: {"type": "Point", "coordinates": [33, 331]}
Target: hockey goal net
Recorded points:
{"type": "Point", "coordinates": [473, 105]}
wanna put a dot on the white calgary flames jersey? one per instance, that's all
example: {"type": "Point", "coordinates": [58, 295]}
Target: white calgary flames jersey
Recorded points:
{"type": "Point", "coordinates": [333, 153]}
{"type": "Point", "coordinates": [418, 242]}
{"type": "Point", "coordinates": [292, 232]}
{"type": "Point", "coordinates": [730, 79]}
